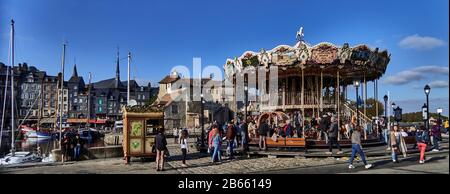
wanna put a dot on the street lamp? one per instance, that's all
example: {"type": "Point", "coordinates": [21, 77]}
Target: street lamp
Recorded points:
{"type": "Point", "coordinates": [356, 84]}
{"type": "Point", "coordinates": [425, 114]}
{"type": "Point", "coordinates": [202, 145]}
{"type": "Point", "coordinates": [393, 109]}
{"type": "Point", "coordinates": [439, 111]}
{"type": "Point", "coordinates": [385, 108]}
{"type": "Point", "coordinates": [398, 114]}
{"type": "Point", "coordinates": [427, 92]}
{"type": "Point", "coordinates": [246, 102]}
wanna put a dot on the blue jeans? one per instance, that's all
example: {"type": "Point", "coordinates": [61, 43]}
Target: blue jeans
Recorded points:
{"type": "Point", "coordinates": [243, 139]}
{"type": "Point", "coordinates": [386, 137]}
{"type": "Point", "coordinates": [231, 144]}
{"type": "Point", "coordinates": [394, 155]}
{"type": "Point", "coordinates": [76, 152]}
{"type": "Point", "coordinates": [435, 142]}
{"type": "Point", "coordinates": [216, 153]}
{"type": "Point", "coordinates": [356, 148]}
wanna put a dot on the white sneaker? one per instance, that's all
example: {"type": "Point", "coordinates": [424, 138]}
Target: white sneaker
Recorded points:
{"type": "Point", "coordinates": [368, 166]}
{"type": "Point", "coordinates": [394, 161]}
{"type": "Point", "coordinates": [388, 148]}
{"type": "Point", "coordinates": [421, 161]}
{"type": "Point", "coordinates": [435, 150]}
{"type": "Point", "coordinates": [351, 166]}
{"type": "Point", "coordinates": [340, 152]}
{"type": "Point", "coordinates": [329, 153]}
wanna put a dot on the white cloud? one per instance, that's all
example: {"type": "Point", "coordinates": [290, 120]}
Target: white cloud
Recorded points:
{"type": "Point", "coordinates": [416, 74]}
{"type": "Point", "coordinates": [439, 84]}
{"type": "Point", "coordinates": [420, 42]}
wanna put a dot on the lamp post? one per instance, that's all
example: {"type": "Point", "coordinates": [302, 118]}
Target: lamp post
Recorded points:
{"type": "Point", "coordinates": [202, 145]}
{"type": "Point", "coordinates": [246, 102]}
{"type": "Point", "coordinates": [356, 84]}
{"type": "Point", "coordinates": [425, 114]}
{"type": "Point", "coordinates": [439, 111]}
{"type": "Point", "coordinates": [427, 92]}
{"type": "Point", "coordinates": [398, 114]}
{"type": "Point", "coordinates": [385, 108]}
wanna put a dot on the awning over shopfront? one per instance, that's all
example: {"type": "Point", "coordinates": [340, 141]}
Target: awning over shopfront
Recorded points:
{"type": "Point", "coordinates": [93, 121]}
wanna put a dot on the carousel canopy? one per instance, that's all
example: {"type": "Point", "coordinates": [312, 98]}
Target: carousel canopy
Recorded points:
{"type": "Point", "coordinates": [351, 62]}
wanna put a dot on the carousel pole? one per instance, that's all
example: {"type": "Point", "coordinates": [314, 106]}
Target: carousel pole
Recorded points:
{"type": "Point", "coordinates": [365, 105]}
{"type": "Point", "coordinates": [365, 96]}
{"type": "Point", "coordinates": [303, 101]}
{"type": "Point", "coordinates": [320, 90]}
{"type": "Point", "coordinates": [375, 91]}
{"type": "Point", "coordinates": [338, 102]}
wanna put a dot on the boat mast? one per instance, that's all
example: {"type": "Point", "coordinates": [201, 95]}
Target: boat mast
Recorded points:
{"type": "Point", "coordinates": [13, 148]}
{"type": "Point", "coordinates": [128, 85]}
{"type": "Point", "coordinates": [89, 104]}
{"type": "Point", "coordinates": [61, 93]}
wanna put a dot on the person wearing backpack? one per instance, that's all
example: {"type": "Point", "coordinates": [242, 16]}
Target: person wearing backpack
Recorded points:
{"type": "Point", "coordinates": [422, 139]}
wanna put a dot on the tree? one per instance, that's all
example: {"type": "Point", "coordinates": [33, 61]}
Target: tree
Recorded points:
{"type": "Point", "coordinates": [370, 107]}
{"type": "Point", "coordinates": [152, 99]}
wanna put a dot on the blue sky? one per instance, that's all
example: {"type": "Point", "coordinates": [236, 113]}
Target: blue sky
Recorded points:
{"type": "Point", "coordinates": [163, 34]}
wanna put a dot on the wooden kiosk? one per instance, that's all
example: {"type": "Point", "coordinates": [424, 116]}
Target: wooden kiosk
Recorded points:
{"type": "Point", "coordinates": [140, 125]}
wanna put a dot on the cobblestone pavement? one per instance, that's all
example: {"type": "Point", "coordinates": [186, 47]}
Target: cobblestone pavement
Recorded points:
{"type": "Point", "coordinates": [197, 164]}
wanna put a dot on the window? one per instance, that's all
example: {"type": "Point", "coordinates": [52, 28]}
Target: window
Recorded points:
{"type": "Point", "coordinates": [143, 97]}
{"type": "Point", "coordinates": [100, 101]}
{"type": "Point", "coordinates": [99, 109]}
{"type": "Point", "coordinates": [65, 99]}
{"type": "Point", "coordinates": [75, 87]}
{"type": "Point", "coordinates": [75, 100]}
{"type": "Point", "coordinates": [174, 109]}
{"type": "Point", "coordinates": [81, 100]}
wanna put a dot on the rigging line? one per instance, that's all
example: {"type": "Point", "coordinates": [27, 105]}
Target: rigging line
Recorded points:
{"type": "Point", "coordinates": [29, 110]}
{"type": "Point", "coordinates": [4, 105]}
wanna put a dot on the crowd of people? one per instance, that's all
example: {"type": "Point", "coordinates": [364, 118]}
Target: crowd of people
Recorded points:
{"type": "Point", "coordinates": [237, 134]}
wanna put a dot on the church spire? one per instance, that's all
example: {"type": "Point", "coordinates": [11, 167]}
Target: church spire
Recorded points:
{"type": "Point", "coordinates": [117, 69]}
{"type": "Point", "coordinates": [75, 73]}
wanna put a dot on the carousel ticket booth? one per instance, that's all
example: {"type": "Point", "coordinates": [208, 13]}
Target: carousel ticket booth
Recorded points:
{"type": "Point", "coordinates": [141, 124]}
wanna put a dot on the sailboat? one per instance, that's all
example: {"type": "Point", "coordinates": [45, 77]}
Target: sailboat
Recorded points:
{"type": "Point", "coordinates": [15, 157]}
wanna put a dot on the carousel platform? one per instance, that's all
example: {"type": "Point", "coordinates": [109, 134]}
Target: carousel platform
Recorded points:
{"type": "Point", "coordinates": [313, 143]}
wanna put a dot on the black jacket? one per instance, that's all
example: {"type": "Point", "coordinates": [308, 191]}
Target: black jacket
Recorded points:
{"type": "Point", "coordinates": [160, 142]}
{"type": "Point", "coordinates": [333, 130]}
{"type": "Point", "coordinates": [263, 129]}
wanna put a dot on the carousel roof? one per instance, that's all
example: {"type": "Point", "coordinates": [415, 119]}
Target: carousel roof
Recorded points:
{"type": "Point", "coordinates": [356, 61]}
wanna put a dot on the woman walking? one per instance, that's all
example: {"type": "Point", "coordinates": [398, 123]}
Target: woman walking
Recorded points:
{"type": "Point", "coordinates": [422, 139]}
{"type": "Point", "coordinates": [216, 144]}
{"type": "Point", "coordinates": [184, 146]}
{"type": "Point", "coordinates": [398, 144]}
{"type": "Point", "coordinates": [161, 147]}
{"type": "Point", "coordinates": [356, 148]}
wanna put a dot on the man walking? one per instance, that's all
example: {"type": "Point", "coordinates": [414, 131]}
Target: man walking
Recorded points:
{"type": "Point", "coordinates": [332, 136]}
{"type": "Point", "coordinates": [231, 134]}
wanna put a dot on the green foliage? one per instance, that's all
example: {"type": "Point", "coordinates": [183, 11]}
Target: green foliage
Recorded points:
{"type": "Point", "coordinates": [152, 100]}
{"type": "Point", "coordinates": [417, 117]}
{"type": "Point", "coordinates": [371, 107]}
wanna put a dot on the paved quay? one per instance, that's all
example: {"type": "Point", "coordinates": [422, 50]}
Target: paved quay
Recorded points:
{"type": "Point", "coordinates": [242, 164]}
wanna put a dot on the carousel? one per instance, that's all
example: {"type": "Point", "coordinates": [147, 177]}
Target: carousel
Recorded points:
{"type": "Point", "coordinates": [304, 82]}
